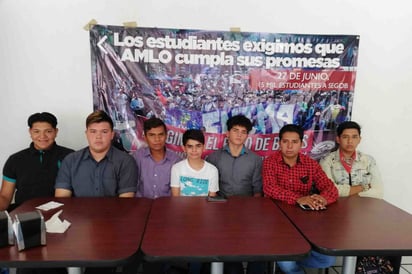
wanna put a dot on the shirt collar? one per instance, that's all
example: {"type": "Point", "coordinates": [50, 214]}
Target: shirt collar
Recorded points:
{"type": "Point", "coordinates": [33, 150]}
{"type": "Point", "coordinates": [279, 158]}
{"type": "Point", "coordinates": [227, 149]}
{"type": "Point", "coordinates": [354, 155]}
{"type": "Point", "coordinates": [87, 154]}
{"type": "Point", "coordinates": [146, 153]}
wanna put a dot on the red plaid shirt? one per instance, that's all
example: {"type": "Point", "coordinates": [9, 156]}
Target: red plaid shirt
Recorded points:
{"type": "Point", "coordinates": [288, 184]}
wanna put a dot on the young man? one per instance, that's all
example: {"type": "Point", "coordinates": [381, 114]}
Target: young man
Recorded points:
{"type": "Point", "coordinates": [32, 171]}
{"type": "Point", "coordinates": [154, 162]}
{"type": "Point", "coordinates": [290, 176]}
{"type": "Point", "coordinates": [239, 174]}
{"type": "Point", "coordinates": [239, 168]}
{"type": "Point", "coordinates": [99, 169]}
{"type": "Point", "coordinates": [353, 172]}
{"type": "Point", "coordinates": [194, 176]}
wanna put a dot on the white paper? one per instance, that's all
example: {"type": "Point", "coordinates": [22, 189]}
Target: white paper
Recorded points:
{"type": "Point", "coordinates": [55, 225]}
{"type": "Point", "coordinates": [49, 205]}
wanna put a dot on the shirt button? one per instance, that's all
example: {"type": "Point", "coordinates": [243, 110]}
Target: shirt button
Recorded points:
{"type": "Point", "coordinates": [155, 175]}
{"type": "Point", "coordinates": [154, 186]}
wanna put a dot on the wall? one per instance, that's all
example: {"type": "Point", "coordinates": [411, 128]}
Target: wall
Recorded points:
{"type": "Point", "coordinates": [45, 62]}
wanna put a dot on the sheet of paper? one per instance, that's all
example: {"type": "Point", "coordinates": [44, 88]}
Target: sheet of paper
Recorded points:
{"type": "Point", "coordinates": [49, 205]}
{"type": "Point", "coordinates": [55, 225]}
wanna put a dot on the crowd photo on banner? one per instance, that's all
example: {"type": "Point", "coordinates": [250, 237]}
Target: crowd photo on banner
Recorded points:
{"type": "Point", "coordinates": [197, 79]}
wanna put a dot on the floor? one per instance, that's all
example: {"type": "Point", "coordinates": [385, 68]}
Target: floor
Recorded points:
{"type": "Point", "coordinates": [406, 267]}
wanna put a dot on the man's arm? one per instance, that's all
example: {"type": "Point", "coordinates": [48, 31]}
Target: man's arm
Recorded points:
{"type": "Point", "coordinates": [344, 190]}
{"type": "Point", "coordinates": [214, 181]}
{"type": "Point", "coordinates": [174, 180]}
{"type": "Point", "coordinates": [375, 183]}
{"type": "Point", "coordinates": [62, 192]}
{"type": "Point", "coordinates": [6, 194]}
{"type": "Point", "coordinates": [257, 179]}
{"type": "Point", "coordinates": [353, 190]}
{"type": "Point", "coordinates": [175, 191]}
{"type": "Point", "coordinates": [127, 195]}
{"type": "Point", "coordinates": [127, 177]}
{"type": "Point", "coordinates": [326, 186]}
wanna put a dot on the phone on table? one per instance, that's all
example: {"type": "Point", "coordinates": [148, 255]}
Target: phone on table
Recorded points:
{"type": "Point", "coordinates": [220, 197]}
{"type": "Point", "coordinates": [306, 207]}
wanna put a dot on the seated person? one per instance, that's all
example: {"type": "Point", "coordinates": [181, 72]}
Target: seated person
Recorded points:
{"type": "Point", "coordinates": [289, 176]}
{"type": "Point", "coordinates": [99, 169]}
{"type": "Point", "coordinates": [155, 161]}
{"type": "Point", "coordinates": [194, 176]}
{"type": "Point", "coordinates": [32, 172]}
{"type": "Point", "coordinates": [240, 174]}
{"type": "Point", "coordinates": [354, 172]}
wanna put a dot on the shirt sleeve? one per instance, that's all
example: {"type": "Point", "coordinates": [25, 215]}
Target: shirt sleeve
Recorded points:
{"type": "Point", "coordinates": [128, 175]}
{"type": "Point", "coordinates": [325, 185]}
{"type": "Point", "coordinates": [376, 185]}
{"type": "Point", "coordinates": [214, 179]}
{"type": "Point", "coordinates": [174, 176]}
{"type": "Point", "coordinates": [257, 177]}
{"type": "Point", "coordinates": [63, 179]}
{"type": "Point", "coordinates": [9, 171]}
{"type": "Point", "coordinates": [327, 166]}
{"type": "Point", "coordinates": [271, 186]}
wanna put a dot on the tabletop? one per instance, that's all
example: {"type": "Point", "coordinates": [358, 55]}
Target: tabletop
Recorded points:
{"type": "Point", "coordinates": [240, 229]}
{"type": "Point", "coordinates": [355, 226]}
{"type": "Point", "coordinates": [103, 232]}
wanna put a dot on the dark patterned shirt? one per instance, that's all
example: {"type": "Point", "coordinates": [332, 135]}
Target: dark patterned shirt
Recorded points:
{"type": "Point", "coordinates": [285, 183]}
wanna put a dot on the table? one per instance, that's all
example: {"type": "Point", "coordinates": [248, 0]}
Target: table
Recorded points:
{"type": "Point", "coordinates": [355, 226]}
{"type": "Point", "coordinates": [240, 229]}
{"type": "Point", "coordinates": [104, 232]}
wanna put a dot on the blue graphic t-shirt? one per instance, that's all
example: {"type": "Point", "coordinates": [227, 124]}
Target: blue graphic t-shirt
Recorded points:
{"type": "Point", "coordinates": [194, 182]}
{"type": "Point", "coordinates": [190, 186]}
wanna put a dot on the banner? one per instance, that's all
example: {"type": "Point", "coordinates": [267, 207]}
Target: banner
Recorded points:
{"type": "Point", "coordinates": [199, 79]}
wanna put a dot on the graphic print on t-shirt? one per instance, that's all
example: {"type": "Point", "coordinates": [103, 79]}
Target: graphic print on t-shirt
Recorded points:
{"type": "Point", "coordinates": [190, 186]}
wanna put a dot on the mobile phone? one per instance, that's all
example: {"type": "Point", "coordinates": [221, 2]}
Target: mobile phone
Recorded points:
{"type": "Point", "coordinates": [216, 198]}
{"type": "Point", "coordinates": [220, 197]}
{"type": "Point", "coordinates": [305, 207]}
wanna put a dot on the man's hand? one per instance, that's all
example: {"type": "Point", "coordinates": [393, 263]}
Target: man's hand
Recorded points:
{"type": "Point", "coordinates": [315, 201]}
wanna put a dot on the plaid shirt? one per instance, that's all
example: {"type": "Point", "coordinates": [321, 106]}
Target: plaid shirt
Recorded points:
{"type": "Point", "coordinates": [285, 183]}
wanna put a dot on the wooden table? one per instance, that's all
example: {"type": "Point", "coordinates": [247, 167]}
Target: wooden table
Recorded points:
{"type": "Point", "coordinates": [353, 227]}
{"type": "Point", "coordinates": [240, 229]}
{"type": "Point", "coordinates": [104, 232]}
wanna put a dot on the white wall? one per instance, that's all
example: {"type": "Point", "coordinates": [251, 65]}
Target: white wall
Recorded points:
{"type": "Point", "coordinates": [45, 62]}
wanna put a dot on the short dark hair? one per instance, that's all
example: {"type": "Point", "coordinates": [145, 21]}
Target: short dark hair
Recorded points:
{"type": "Point", "coordinates": [291, 128]}
{"type": "Point", "coordinates": [348, 124]}
{"type": "Point", "coordinates": [42, 117]}
{"type": "Point", "coordinates": [193, 134]}
{"type": "Point", "coordinates": [153, 123]}
{"type": "Point", "coordinates": [239, 120]}
{"type": "Point", "coordinates": [98, 116]}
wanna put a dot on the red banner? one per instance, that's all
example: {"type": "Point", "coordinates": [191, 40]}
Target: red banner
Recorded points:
{"type": "Point", "coordinates": [306, 80]}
